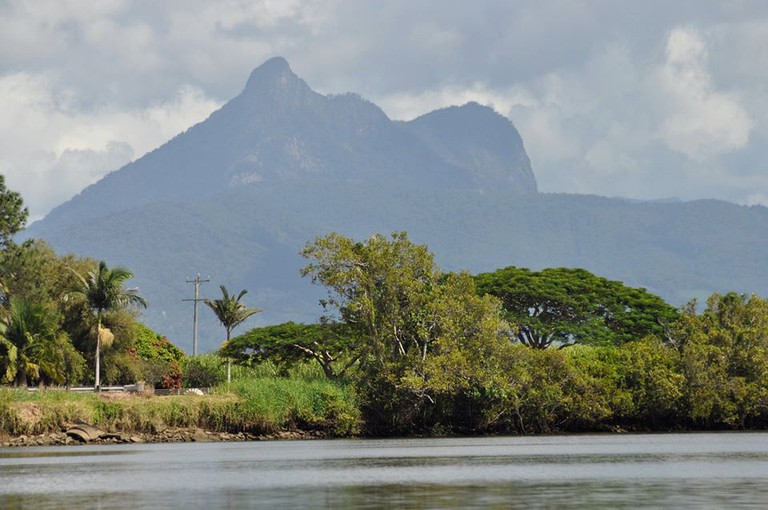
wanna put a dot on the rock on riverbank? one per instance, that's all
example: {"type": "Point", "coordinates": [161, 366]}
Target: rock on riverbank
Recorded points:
{"type": "Point", "coordinates": [72, 436]}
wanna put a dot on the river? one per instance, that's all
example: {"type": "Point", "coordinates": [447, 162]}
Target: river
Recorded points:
{"type": "Point", "coordinates": [705, 470]}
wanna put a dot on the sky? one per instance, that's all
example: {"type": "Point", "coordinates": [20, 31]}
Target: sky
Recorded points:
{"type": "Point", "coordinates": [644, 100]}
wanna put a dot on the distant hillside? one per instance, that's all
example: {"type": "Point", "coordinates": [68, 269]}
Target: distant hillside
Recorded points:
{"type": "Point", "coordinates": [237, 196]}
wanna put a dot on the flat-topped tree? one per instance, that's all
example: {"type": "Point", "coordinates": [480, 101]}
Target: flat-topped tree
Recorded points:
{"type": "Point", "coordinates": [562, 306]}
{"type": "Point", "coordinates": [102, 289]}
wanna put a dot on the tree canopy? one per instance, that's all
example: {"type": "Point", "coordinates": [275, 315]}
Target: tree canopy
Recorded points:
{"type": "Point", "coordinates": [13, 214]}
{"type": "Point", "coordinates": [421, 333]}
{"type": "Point", "coordinates": [102, 290]}
{"type": "Point", "coordinates": [724, 355]}
{"type": "Point", "coordinates": [229, 310]}
{"type": "Point", "coordinates": [563, 306]}
{"type": "Point", "coordinates": [332, 345]}
{"type": "Point", "coordinates": [231, 313]}
{"type": "Point", "coordinates": [32, 346]}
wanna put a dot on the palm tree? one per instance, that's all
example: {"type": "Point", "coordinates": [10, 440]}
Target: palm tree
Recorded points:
{"type": "Point", "coordinates": [102, 290]}
{"type": "Point", "coordinates": [231, 313]}
{"type": "Point", "coordinates": [30, 342]}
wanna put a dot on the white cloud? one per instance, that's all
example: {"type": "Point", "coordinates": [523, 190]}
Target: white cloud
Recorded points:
{"type": "Point", "coordinates": [757, 199]}
{"type": "Point", "coordinates": [407, 106]}
{"type": "Point", "coordinates": [49, 150]}
{"type": "Point", "coordinates": [700, 121]}
{"type": "Point", "coordinates": [643, 100]}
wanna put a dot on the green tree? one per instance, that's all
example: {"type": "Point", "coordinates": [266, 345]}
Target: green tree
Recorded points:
{"type": "Point", "coordinates": [13, 214]}
{"type": "Point", "coordinates": [379, 287]}
{"type": "Point", "coordinates": [231, 313]}
{"type": "Point", "coordinates": [650, 373]}
{"type": "Point", "coordinates": [563, 306]}
{"type": "Point", "coordinates": [150, 345]}
{"type": "Point", "coordinates": [153, 356]}
{"type": "Point", "coordinates": [32, 347]}
{"type": "Point", "coordinates": [424, 337]}
{"type": "Point", "coordinates": [332, 345]}
{"type": "Point", "coordinates": [32, 270]}
{"type": "Point", "coordinates": [102, 290]}
{"type": "Point", "coordinates": [724, 352]}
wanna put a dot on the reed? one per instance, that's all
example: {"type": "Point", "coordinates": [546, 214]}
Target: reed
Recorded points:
{"type": "Point", "coordinates": [257, 405]}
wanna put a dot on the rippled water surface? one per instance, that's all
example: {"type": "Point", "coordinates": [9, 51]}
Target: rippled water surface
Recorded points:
{"type": "Point", "coordinates": [728, 470]}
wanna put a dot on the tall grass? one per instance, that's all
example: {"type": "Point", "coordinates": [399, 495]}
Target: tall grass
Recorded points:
{"type": "Point", "coordinates": [260, 405]}
{"type": "Point", "coordinates": [280, 403]}
{"type": "Point", "coordinates": [27, 412]}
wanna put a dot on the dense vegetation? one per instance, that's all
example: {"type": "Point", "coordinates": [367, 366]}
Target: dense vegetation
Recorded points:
{"type": "Point", "coordinates": [516, 351]}
{"type": "Point", "coordinates": [402, 347]}
{"type": "Point", "coordinates": [257, 403]}
{"type": "Point", "coordinates": [58, 313]}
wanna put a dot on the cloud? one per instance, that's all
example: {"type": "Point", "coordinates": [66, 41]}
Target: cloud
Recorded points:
{"type": "Point", "coordinates": [757, 199]}
{"type": "Point", "coordinates": [640, 99]}
{"type": "Point", "coordinates": [700, 122]}
{"type": "Point", "coordinates": [50, 150]}
{"type": "Point", "coordinates": [407, 106]}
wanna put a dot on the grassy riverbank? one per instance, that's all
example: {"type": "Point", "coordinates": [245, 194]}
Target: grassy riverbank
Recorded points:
{"type": "Point", "coordinates": [257, 407]}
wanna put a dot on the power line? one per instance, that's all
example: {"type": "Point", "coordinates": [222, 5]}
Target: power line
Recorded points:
{"type": "Point", "coordinates": [197, 281]}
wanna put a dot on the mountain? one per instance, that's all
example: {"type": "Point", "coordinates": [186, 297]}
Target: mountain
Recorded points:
{"type": "Point", "coordinates": [279, 131]}
{"type": "Point", "coordinates": [235, 197]}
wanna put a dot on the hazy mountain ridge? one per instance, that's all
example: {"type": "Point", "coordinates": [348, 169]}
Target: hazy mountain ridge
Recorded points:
{"type": "Point", "coordinates": [236, 196]}
{"type": "Point", "coordinates": [278, 129]}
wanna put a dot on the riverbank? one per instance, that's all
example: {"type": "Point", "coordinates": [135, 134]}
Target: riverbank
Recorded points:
{"type": "Point", "coordinates": [252, 410]}
{"type": "Point", "coordinates": [170, 435]}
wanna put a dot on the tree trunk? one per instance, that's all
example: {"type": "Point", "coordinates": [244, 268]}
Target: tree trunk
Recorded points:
{"type": "Point", "coordinates": [21, 379]}
{"type": "Point", "coordinates": [229, 363]}
{"type": "Point", "coordinates": [98, 356]}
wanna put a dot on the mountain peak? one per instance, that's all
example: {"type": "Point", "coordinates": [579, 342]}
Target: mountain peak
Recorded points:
{"type": "Point", "coordinates": [274, 82]}
{"type": "Point", "coordinates": [273, 66]}
{"type": "Point", "coordinates": [273, 74]}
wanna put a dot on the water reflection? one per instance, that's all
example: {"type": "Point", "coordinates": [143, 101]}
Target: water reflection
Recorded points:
{"type": "Point", "coordinates": [642, 471]}
{"type": "Point", "coordinates": [581, 494]}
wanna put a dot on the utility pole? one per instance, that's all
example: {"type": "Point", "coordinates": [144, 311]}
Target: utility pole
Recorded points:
{"type": "Point", "coordinates": [197, 281]}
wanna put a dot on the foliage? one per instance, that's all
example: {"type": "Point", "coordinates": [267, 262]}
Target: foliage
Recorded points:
{"type": "Point", "coordinates": [379, 287]}
{"type": "Point", "coordinates": [13, 214]}
{"type": "Point", "coordinates": [122, 367]}
{"type": "Point", "coordinates": [33, 348]}
{"type": "Point", "coordinates": [35, 278]}
{"type": "Point", "coordinates": [331, 345]}
{"type": "Point", "coordinates": [32, 271]}
{"type": "Point", "coordinates": [229, 310]}
{"type": "Point", "coordinates": [724, 354]}
{"type": "Point", "coordinates": [650, 374]}
{"type": "Point", "coordinates": [550, 391]}
{"type": "Point", "coordinates": [149, 345]}
{"type": "Point", "coordinates": [563, 306]}
{"type": "Point", "coordinates": [231, 313]}
{"type": "Point", "coordinates": [203, 371]}
{"type": "Point", "coordinates": [420, 333]}
{"type": "Point", "coordinates": [172, 379]}
{"type": "Point", "coordinates": [294, 403]}
{"type": "Point", "coordinates": [102, 290]}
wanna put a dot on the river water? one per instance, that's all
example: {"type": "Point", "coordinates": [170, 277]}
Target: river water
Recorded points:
{"type": "Point", "coordinates": [723, 470]}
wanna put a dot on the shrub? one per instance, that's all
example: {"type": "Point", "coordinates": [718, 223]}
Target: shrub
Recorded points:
{"type": "Point", "coordinates": [203, 371]}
